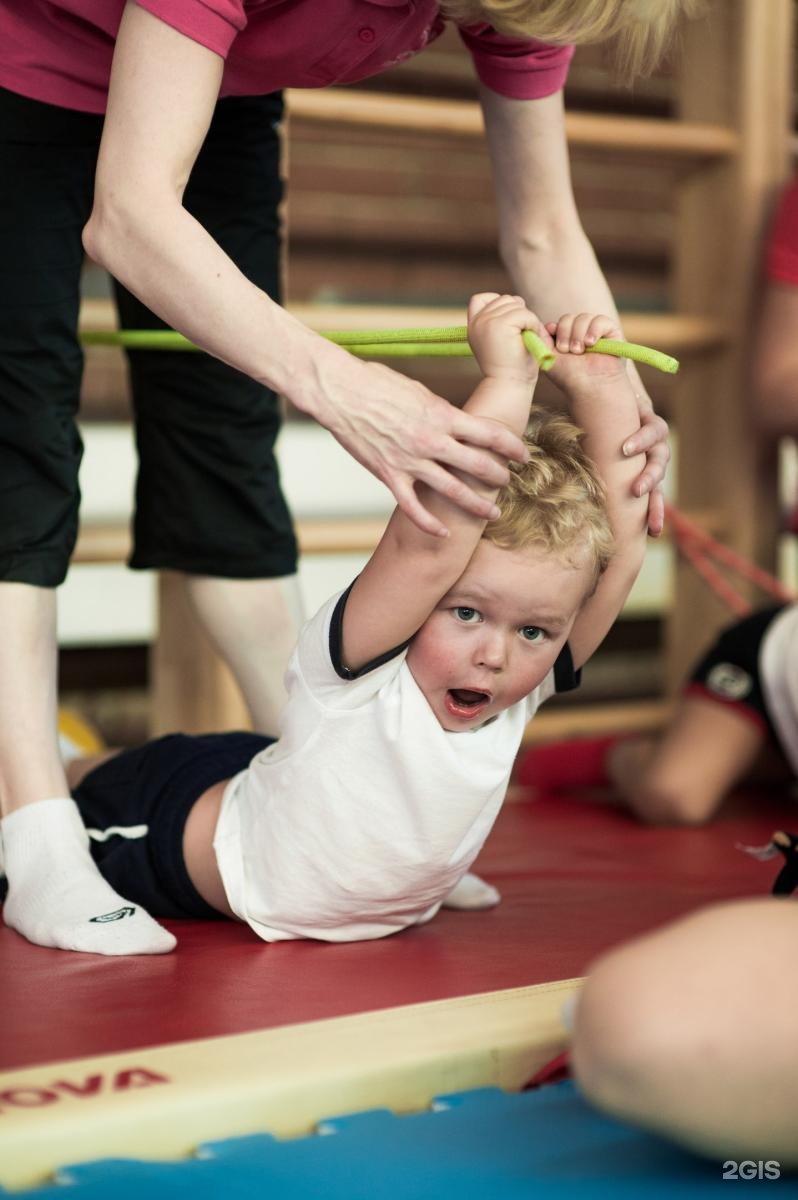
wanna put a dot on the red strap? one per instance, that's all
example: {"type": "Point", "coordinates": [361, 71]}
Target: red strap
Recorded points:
{"type": "Point", "coordinates": [555, 1071]}
{"type": "Point", "coordinates": [700, 548]}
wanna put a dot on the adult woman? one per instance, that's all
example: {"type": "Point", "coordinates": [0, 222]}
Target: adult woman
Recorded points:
{"type": "Point", "coordinates": [201, 253]}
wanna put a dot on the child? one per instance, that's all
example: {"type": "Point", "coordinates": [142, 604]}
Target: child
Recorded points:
{"type": "Point", "coordinates": [737, 719]}
{"type": "Point", "coordinates": [408, 694]}
{"type": "Point", "coordinates": [690, 1031]}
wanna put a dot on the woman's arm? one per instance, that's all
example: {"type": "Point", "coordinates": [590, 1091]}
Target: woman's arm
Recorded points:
{"type": "Point", "coordinates": [547, 253]}
{"type": "Point", "coordinates": [163, 90]}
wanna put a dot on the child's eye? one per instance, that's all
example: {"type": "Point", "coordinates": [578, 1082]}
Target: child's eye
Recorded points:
{"type": "Point", "coordinates": [469, 616]}
{"type": "Point", "coordinates": [532, 633]}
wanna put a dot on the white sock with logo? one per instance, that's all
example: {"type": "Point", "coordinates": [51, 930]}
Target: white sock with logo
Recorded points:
{"type": "Point", "coordinates": [56, 895]}
{"type": "Point", "coordinates": [472, 893]}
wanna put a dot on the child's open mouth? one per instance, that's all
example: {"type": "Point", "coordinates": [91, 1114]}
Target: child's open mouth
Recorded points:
{"type": "Point", "coordinates": [464, 703]}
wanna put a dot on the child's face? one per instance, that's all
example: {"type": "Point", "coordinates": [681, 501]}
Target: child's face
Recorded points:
{"type": "Point", "coordinates": [495, 636]}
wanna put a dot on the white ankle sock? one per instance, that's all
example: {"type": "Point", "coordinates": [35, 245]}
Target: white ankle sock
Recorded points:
{"type": "Point", "coordinates": [472, 892]}
{"type": "Point", "coordinates": [56, 895]}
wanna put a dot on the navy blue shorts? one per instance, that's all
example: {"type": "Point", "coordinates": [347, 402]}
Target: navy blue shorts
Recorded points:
{"type": "Point", "coordinates": [135, 807]}
{"type": "Point", "coordinates": [729, 671]}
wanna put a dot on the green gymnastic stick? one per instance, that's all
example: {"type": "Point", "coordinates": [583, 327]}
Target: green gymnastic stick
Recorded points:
{"type": "Point", "coordinates": [453, 341]}
{"type": "Point", "coordinates": [449, 342]}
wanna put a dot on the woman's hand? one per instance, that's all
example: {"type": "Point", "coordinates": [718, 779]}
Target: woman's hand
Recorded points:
{"type": "Point", "coordinates": [651, 439]}
{"type": "Point", "coordinates": [572, 336]}
{"type": "Point", "coordinates": [403, 433]}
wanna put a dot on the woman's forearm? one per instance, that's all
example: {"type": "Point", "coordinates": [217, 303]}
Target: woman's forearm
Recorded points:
{"type": "Point", "coordinates": [557, 272]}
{"type": "Point", "coordinates": [163, 90]}
{"type": "Point", "coordinates": [164, 257]}
{"type": "Point", "coordinates": [542, 242]}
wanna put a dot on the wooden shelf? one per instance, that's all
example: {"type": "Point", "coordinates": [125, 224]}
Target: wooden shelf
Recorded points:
{"type": "Point", "coordinates": [97, 315]}
{"type": "Point", "coordinates": [111, 542]}
{"type": "Point", "coordinates": [554, 724]}
{"type": "Point", "coordinates": [463, 118]}
{"type": "Point", "coordinates": [103, 543]}
{"type": "Point", "coordinates": [353, 536]}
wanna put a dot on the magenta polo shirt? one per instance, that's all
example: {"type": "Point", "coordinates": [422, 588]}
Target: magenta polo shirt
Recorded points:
{"type": "Point", "coordinates": [59, 51]}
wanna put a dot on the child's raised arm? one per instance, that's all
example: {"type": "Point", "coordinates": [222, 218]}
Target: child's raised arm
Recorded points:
{"type": "Point", "coordinates": [410, 570]}
{"type": "Point", "coordinates": [602, 402]}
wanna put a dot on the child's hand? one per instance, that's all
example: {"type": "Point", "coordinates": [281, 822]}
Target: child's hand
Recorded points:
{"type": "Point", "coordinates": [495, 325]}
{"type": "Point", "coordinates": [572, 335]}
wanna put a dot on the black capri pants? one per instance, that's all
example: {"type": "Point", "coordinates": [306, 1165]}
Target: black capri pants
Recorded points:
{"type": "Point", "coordinates": [208, 497]}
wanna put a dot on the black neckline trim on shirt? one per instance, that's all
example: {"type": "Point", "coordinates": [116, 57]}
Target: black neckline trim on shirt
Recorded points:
{"type": "Point", "coordinates": [566, 679]}
{"type": "Point", "coordinates": [336, 643]}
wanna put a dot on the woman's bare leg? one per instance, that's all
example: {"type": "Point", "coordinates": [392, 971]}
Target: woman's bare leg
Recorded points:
{"type": "Point", "coordinates": [253, 623]}
{"type": "Point", "coordinates": [30, 765]}
{"type": "Point", "coordinates": [56, 896]}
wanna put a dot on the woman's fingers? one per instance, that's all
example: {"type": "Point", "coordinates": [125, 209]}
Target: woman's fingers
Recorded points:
{"type": "Point", "coordinates": [466, 443]}
{"type": "Point", "coordinates": [450, 472]}
{"type": "Point", "coordinates": [488, 468]}
{"type": "Point", "coordinates": [656, 513]}
{"type": "Point", "coordinates": [405, 496]}
{"type": "Point", "coordinates": [487, 435]}
{"type": "Point", "coordinates": [651, 439]}
{"type": "Point", "coordinates": [456, 490]}
{"type": "Point", "coordinates": [653, 473]}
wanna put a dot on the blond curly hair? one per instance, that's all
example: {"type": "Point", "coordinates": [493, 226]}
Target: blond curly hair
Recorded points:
{"type": "Point", "coordinates": [640, 29]}
{"type": "Point", "coordinates": [555, 501]}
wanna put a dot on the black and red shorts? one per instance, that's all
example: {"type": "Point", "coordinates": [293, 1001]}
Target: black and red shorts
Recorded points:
{"type": "Point", "coordinates": [729, 671]}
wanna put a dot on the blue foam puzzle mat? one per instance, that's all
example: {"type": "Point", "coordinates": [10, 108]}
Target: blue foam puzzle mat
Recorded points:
{"type": "Point", "coordinates": [479, 1145]}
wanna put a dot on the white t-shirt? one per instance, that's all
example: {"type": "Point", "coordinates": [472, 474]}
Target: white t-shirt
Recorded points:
{"type": "Point", "coordinates": [778, 670]}
{"type": "Point", "coordinates": [365, 813]}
